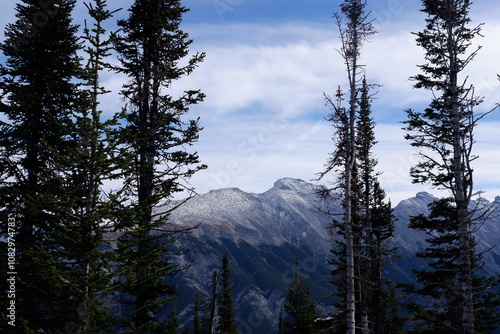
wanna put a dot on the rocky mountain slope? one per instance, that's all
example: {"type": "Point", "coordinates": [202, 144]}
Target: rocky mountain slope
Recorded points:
{"type": "Point", "coordinates": [264, 233]}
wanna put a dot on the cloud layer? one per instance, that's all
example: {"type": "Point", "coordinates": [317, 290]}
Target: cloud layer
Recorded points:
{"type": "Point", "coordinates": [264, 112]}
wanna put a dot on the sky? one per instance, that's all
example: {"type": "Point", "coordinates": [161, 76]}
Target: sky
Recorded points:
{"type": "Point", "coordinates": [268, 64]}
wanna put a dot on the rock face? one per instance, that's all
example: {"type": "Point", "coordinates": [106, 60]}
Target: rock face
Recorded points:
{"type": "Point", "coordinates": [286, 213]}
{"type": "Point", "coordinates": [264, 233]}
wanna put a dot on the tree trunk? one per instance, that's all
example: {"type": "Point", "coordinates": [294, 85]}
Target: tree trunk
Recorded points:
{"type": "Point", "coordinates": [350, 161]}
{"type": "Point", "coordinates": [349, 239]}
{"type": "Point", "coordinates": [213, 305]}
{"type": "Point", "coordinates": [460, 190]}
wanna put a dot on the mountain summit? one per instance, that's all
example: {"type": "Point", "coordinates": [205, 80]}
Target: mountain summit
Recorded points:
{"type": "Point", "coordinates": [264, 233]}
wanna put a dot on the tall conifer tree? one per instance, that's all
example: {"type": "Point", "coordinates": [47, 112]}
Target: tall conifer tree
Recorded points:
{"type": "Point", "coordinates": [373, 227]}
{"type": "Point", "coordinates": [445, 130]}
{"type": "Point", "coordinates": [355, 29]}
{"type": "Point", "coordinates": [440, 309]}
{"type": "Point", "coordinates": [39, 101]}
{"type": "Point", "coordinates": [227, 313]}
{"type": "Point", "coordinates": [300, 307]}
{"type": "Point", "coordinates": [153, 135]}
{"type": "Point", "coordinates": [82, 240]}
{"type": "Point", "coordinates": [367, 221]}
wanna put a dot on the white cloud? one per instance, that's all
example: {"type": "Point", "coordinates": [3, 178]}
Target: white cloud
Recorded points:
{"type": "Point", "coordinates": [253, 154]}
{"type": "Point", "coordinates": [263, 115]}
{"type": "Point", "coordinates": [286, 77]}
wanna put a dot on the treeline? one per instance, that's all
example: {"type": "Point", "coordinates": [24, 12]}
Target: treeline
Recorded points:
{"type": "Point", "coordinates": [83, 259]}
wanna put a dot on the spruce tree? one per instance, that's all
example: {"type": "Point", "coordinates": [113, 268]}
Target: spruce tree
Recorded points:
{"type": "Point", "coordinates": [439, 286]}
{"type": "Point", "coordinates": [153, 136]}
{"type": "Point", "coordinates": [39, 100]}
{"type": "Point", "coordinates": [83, 239]}
{"type": "Point", "coordinates": [226, 311]}
{"type": "Point", "coordinates": [373, 228]}
{"type": "Point", "coordinates": [173, 323]}
{"type": "Point", "coordinates": [300, 307]}
{"type": "Point", "coordinates": [445, 130]}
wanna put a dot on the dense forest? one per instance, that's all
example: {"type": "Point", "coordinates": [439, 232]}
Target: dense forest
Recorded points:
{"type": "Point", "coordinates": [83, 258]}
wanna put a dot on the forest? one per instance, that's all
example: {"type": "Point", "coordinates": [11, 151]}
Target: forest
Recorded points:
{"type": "Point", "coordinates": [83, 257]}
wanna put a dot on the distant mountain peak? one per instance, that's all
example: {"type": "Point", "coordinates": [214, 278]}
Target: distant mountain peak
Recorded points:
{"type": "Point", "coordinates": [290, 183]}
{"type": "Point", "coordinates": [264, 233]}
{"type": "Point", "coordinates": [424, 195]}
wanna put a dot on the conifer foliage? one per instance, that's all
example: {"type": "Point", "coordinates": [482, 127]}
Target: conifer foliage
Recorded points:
{"type": "Point", "coordinates": [355, 29]}
{"type": "Point", "coordinates": [56, 152]}
{"type": "Point", "coordinates": [227, 313]}
{"type": "Point", "coordinates": [153, 135]}
{"type": "Point", "coordinates": [300, 307]}
{"type": "Point", "coordinates": [440, 289]}
{"type": "Point", "coordinates": [366, 298]}
{"type": "Point", "coordinates": [39, 145]}
{"type": "Point", "coordinates": [445, 131]}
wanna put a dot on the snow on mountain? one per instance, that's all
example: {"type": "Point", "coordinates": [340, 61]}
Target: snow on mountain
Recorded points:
{"type": "Point", "coordinates": [264, 233]}
{"type": "Point", "coordinates": [285, 213]}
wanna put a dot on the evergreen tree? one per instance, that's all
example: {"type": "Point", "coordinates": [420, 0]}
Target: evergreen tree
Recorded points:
{"type": "Point", "coordinates": [445, 130]}
{"type": "Point", "coordinates": [227, 314]}
{"type": "Point", "coordinates": [439, 286]}
{"type": "Point", "coordinates": [173, 323]}
{"type": "Point", "coordinates": [82, 241]}
{"type": "Point", "coordinates": [280, 323]}
{"type": "Point", "coordinates": [353, 33]}
{"type": "Point", "coordinates": [300, 307]}
{"type": "Point", "coordinates": [39, 100]}
{"type": "Point", "coordinates": [153, 136]}
{"type": "Point", "coordinates": [372, 229]}
{"type": "Point", "coordinates": [197, 323]}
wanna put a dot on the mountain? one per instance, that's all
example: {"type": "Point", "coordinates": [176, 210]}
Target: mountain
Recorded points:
{"type": "Point", "coordinates": [264, 233]}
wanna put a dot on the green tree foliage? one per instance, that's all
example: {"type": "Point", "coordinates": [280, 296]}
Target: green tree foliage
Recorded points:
{"type": "Point", "coordinates": [445, 130]}
{"type": "Point", "coordinates": [355, 29]}
{"type": "Point", "coordinates": [197, 322]}
{"type": "Point", "coordinates": [226, 311]}
{"type": "Point", "coordinates": [373, 231]}
{"type": "Point", "coordinates": [153, 137]}
{"type": "Point", "coordinates": [376, 306]}
{"type": "Point", "coordinates": [173, 323]}
{"type": "Point", "coordinates": [300, 307]}
{"type": "Point", "coordinates": [39, 141]}
{"type": "Point", "coordinates": [58, 167]}
{"type": "Point", "coordinates": [439, 286]}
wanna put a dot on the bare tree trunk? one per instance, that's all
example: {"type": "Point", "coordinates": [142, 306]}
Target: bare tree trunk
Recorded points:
{"type": "Point", "coordinates": [350, 161]}
{"type": "Point", "coordinates": [213, 305]}
{"type": "Point", "coordinates": [460, 161]}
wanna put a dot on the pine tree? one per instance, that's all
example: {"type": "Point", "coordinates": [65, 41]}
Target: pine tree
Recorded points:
{"type": "Point", "coordinates": [39, 99]}
{"type": "Point", "coordinates": [226, 311]}
{"type": "Point", "coordinates": [356, 30]}
{"type": "Point", "coordinates": [153, 136]}
{"type": "Point", "coordinates": [300, 307]}
{"type": "Point", "coordinates": [280, 323]}
{"type": "Point", "coordinates": [445, 130]}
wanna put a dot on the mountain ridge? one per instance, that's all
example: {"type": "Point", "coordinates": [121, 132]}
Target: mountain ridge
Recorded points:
{"type": "Point", "coordinates": [264, 233]}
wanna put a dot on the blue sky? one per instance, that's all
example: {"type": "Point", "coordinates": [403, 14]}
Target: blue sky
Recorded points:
{"type": "Point", "coordinates": [270, 61]}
